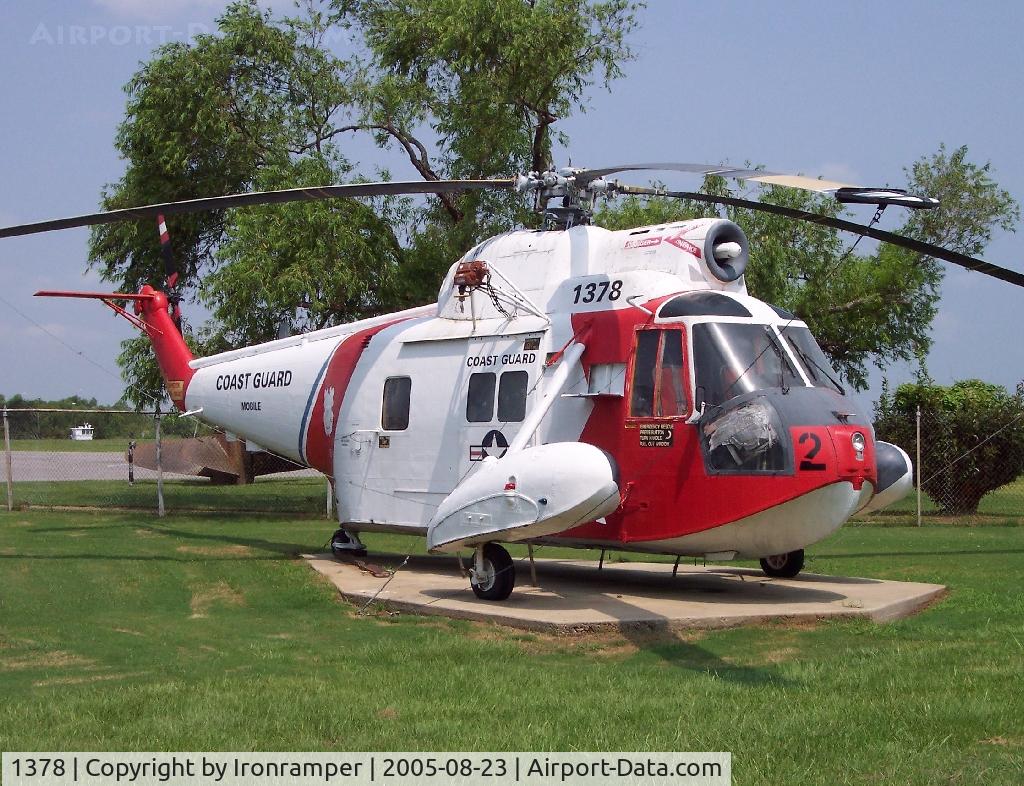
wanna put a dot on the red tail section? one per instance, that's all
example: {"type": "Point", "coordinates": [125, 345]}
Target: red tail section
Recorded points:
{"type": "Point", "coordinates": [152, 316]}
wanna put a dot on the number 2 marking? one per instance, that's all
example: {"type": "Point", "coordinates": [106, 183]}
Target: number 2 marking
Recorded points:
{"type": "Point", "coordinates": [806, 463]}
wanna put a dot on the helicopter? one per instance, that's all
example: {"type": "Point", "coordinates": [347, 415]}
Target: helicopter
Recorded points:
{"type": "Point", "coordinates": [572, 385]}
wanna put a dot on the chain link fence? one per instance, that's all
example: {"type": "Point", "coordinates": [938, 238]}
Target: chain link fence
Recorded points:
{"type": "Point", "coordinates": [968, 470]}
{"type": "Point", "coordinates": [149, 461]}
{"type": "Point", "coordinates": [156, 462]}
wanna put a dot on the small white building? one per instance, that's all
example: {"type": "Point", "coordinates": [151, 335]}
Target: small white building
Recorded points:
{"type": "Point", "coordinates": [83, 432]}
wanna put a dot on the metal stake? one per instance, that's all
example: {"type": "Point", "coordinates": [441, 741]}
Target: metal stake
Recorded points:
{"type": "Point", "coordinates": [600, 564]}
{"type": "Point", "coordinates": [919, 465]}
{"type": "Point", "coordinates": [675, 568]}
{"type": "Point", "coordinates": [159, 468]}
{"type": "Point", "coordinates": [8, 464]}
{"type": "Point", "coordinates": [533, 568]}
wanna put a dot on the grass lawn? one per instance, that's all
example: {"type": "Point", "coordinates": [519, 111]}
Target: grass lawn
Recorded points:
{"type": "Point", "coordinates": [120, 631]}
{"type": "Point", "coordinates": [1006, 502]}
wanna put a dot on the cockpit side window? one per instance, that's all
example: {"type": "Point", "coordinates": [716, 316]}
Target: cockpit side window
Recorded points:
{"type": "Point", "coordinates": [641, 401]}
{"type": "Point", "coordinates": [815, 363]}
{"type": "Point", "coordinates": [672, 398]}
{"type": "Point", "coordinates": [659, 386]}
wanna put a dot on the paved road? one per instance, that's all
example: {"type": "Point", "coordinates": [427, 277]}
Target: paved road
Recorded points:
{"type": "Point", "coordinates": [53, 465]}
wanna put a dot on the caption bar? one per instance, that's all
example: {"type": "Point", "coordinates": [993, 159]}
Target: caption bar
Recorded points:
{"type": "Point", "coordinates": [355, 769]}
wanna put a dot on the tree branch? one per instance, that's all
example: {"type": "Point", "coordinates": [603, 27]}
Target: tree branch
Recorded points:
{"type": "Point", "coordinates": [544, 119]}
{"type": "Point", "coordinates": [850, 305]}
{"type": "Point", "coordinates": [417, 153]}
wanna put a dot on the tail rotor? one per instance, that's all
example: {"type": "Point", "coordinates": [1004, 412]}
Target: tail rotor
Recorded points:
{"type": "Point", "coordinates": [170, 272]}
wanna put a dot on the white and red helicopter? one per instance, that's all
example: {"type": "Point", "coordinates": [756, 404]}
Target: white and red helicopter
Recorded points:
{"type": "Point", "coordinates": [572, 385]}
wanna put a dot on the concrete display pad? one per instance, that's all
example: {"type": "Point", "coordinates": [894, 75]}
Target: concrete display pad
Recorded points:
{"type": "Point", "coordinates": [573, 596]}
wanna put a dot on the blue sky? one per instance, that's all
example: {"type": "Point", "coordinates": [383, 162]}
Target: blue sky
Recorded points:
{"type": "Point", "coordinates": [848, 91]}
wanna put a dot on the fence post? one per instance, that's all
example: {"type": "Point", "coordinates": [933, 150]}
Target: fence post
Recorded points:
{"type": "Point", "coordinates": [159, 468]}
{"type": "Point", "coordinates": [918, 463]}
{"type": "Point", "coordinates": [131, 462]}
{"type": "Point", "coordinates": [7, 463]}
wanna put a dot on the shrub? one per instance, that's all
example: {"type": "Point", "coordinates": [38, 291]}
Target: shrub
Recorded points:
{"type": "Point", "coordinates": [972, 437]}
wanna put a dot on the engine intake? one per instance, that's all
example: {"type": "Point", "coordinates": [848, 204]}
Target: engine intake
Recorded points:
{"type": "Point", "coordinates": [726, 251]}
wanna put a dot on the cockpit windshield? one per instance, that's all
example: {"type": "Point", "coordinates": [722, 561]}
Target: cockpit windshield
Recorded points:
{"type": "Point", "coordinates": [819, 370]}
{"type": "Point", "coordinates": [735, 358]}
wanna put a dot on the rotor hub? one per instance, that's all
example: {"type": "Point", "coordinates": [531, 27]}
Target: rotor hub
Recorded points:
{"type": "Point", "coordinates": [578, 195]}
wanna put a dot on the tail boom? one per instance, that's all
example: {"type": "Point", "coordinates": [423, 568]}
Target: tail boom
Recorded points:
{"type": "Point", "coordinates": [151, 315]}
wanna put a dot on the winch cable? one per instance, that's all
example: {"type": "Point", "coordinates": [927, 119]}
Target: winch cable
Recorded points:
{"type": "Point", "coordinates": [383, 586]}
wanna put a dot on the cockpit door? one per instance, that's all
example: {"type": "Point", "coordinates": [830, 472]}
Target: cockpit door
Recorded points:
{"type": "Point", "coordinates": [660, 385]}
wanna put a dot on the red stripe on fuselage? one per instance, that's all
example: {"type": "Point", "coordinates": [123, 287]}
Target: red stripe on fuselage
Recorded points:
{"type": "Point", "coordinates": [340, 367]}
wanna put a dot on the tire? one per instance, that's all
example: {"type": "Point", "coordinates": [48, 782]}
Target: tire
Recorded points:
{"type": "Point", "coordinates": [342, 546]}
{"type": "Point", "coordinates": [783, 566]}
{"type": "Point", "coordinates": [499, 574]}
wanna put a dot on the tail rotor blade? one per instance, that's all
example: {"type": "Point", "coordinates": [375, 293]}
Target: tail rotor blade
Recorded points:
{"type": "Point", "coordinates": [170, 271]}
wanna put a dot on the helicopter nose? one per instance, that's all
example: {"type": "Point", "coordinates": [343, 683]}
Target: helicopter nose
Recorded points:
{"type": "Point", "coordinates": [895, 476]}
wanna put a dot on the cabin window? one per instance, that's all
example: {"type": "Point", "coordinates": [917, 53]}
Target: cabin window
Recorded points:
{"type": "Point", "coordinates": [395, 415]}
{"type": "Point", "coordinates": [512, 396]}
{"type": "Point", "coordinates": [659, 376]}
{"type": "Point", "coordinates": [480, 404]}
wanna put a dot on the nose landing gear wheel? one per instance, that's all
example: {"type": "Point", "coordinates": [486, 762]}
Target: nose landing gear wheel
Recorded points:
{"type": "Point", "coordinates": [493, 574]}
{"type": "Point", "coordinates": [344, 544]}
{"type": "Point", "coordinates": [783, 566]}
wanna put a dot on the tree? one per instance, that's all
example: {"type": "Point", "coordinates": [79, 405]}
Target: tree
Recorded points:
{"type": "Point", "coordinates": [206, 118]}
{"type": "Point", "coordinates": [972, 437]}
{"type": "Point", "coordinates": [461, 88]}
{"type": "Point", "coordinates": [869, 308]}
{"type": "Point", "coordinates": [334, 260]}
{"type": "Point", "coordinates": [489, 78]}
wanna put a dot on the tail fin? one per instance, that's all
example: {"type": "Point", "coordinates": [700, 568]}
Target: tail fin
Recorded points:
{"type": "Point", "coordinates": [151, 315]}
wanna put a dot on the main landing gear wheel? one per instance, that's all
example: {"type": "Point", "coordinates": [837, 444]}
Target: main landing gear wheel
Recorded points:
{"type": "Point", "coordinates": [783, 566]}
{"type": "Point", "coordinates": [493, 575]}
{"type": "Point", "coordinates": [344, 544]}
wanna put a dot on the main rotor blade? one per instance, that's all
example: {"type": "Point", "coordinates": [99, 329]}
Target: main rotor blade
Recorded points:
{"type": "Point", "coordinates": [757, 175]}
{"type": "Point", "coordinates": [970, 263]}
{"type": "Point", "coordinates": [261, 198]}
{"type": "Point", "coordinates": [843, 192]}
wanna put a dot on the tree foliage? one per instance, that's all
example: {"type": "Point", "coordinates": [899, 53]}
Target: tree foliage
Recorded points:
{"type": "Point", "coordinates": [57, 425]}
{"type": "Point", "coordinates": [345, 265]}
{"type": "Point", "coordinates": [972, 436]}
{"type": "Point", "coordinates": [459, 88]}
